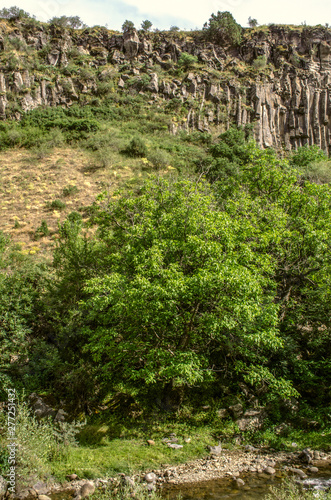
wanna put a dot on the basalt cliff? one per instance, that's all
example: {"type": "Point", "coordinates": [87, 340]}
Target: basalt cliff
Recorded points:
{"type": "Point", "coordinates": [278, 79]}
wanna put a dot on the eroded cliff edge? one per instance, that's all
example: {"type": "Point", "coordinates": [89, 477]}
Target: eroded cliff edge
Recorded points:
{"type": "Point", "coordinates": [278, 79]}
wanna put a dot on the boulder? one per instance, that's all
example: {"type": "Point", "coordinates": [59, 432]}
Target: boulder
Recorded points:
{"type": "Point", "coordinates": [87, 489]}
{"type": "Point", "coordinates": [131, 43]}
{"type": "Point", "coordinates": [150, 477]}
{"type": "Point", "coordinates": [40, 488]}
{"type": "Point", "coordinates": [269, 470]}
{"type": "Point", "coordinates": [215, 450]}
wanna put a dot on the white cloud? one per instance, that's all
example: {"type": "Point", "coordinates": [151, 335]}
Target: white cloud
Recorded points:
{"type": "Point", "coordinates": [184, 13]}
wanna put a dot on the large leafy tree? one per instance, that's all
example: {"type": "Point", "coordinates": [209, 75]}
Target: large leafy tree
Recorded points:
{"type": "Point", "coordinates": [186, 299]}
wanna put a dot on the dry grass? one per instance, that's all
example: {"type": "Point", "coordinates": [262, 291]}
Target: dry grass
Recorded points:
{"type": "Point", "coordinates": [29, 183]}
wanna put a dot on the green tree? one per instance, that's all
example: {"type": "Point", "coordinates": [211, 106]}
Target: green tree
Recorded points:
{"type": "Point", "coordinates": [127, 26]}
{"type": "Point", "coordinates": [21, 286]}
{"type": "Point", "coordinates": [222, 28]}
{"type": "Point", "coordinates": [14, 13]}
{"type": "Point", "coordinates": [146, 25]}
{"type": "Point", "coordinates": [174, 29]}
{"type": "Point", "coordinates": [252, 23]}
{"type": "Point", "coordinates": [186, 300]}
{"type": "Point", "coordinates": [74, 22]}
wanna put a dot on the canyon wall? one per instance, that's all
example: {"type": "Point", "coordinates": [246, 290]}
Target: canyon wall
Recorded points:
{"type": "Point", "coordinates": [278, 80]}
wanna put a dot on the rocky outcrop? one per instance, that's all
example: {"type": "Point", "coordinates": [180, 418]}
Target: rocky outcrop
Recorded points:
{"type": "Point", "coordinates": [278, 80]}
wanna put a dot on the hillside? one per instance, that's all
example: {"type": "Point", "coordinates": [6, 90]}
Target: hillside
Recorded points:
{"type": "Point", "coordinates": [165, 228]}
{"type": "Point", "coordinates": [277, 79]}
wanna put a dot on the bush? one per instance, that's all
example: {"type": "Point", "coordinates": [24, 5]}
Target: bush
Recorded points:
{"type": "Point", "coordinates": [305, 155]}
{"type": "Point", "coordinates": [260, 62]}
{"type": "Point", "coordinates": [186, 60]}
{"type": "Point", "coordinates": [55, 205]}
{"type": "Point", "coordinates": [42, 230]}
{"type": "Point", "coordinates": [159, 158]}
{"type": "Point", "coordinates": [136, 148]}
{"type": "Point", "coordinates": [70, 190]}
{"type": "Point", "coordinates": [222, 28]}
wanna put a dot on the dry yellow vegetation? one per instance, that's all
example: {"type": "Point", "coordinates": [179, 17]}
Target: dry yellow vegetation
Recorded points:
{"type": "Point", "coordinates": [27, 184]}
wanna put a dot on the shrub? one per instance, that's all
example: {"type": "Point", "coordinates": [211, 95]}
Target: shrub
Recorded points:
{"type": "Point", "coordinates": [136, 148]}
{"type": "Point", "coordinates": [55, 205]}
{"type": "Point", "coordinates": [186, 60]}
{"type": "Point", "coordinates": [42, 230]}
{"type": "Point", "coordinates": [307, 154]}
{"type": "Point", "coordinates": [260, 62]}
{"type": "Point", "coordinates": [223, 28]}
{"type": "Point", "coordinates": [159, 158]}
{"type": "Point", "coordinates": [70, 190]}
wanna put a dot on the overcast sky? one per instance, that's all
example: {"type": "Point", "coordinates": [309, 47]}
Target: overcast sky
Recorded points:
{"type": "Point", "coordinates": [187, 14]}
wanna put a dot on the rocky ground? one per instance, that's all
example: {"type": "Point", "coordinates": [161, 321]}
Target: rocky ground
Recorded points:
{"type": "Point", "coordinates": [219, 464]}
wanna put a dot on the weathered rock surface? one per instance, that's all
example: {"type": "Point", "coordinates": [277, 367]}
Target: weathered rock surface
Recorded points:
{"type": "Point", "coordinates": [288, 102]}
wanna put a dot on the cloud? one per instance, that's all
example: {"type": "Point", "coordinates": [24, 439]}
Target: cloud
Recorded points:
{"type": "Point", "coordinates": [186, 14]}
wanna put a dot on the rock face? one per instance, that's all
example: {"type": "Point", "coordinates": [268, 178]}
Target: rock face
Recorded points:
{"type": "Point", "coordinates": [278, 80]}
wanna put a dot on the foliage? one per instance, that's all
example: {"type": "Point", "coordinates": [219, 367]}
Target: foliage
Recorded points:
{"type": "Point", "coordinates": [174, 29]}
{"type": "Point", "coordinates": [14, 13]}
{"type": "Point", "coordinates": [68, 22]}
{"type": "Point", "coordinates": [136, 148]}
{"type": "Point", "coordinates": [127, 26]}
{"type": "Point", "coordinates": [146, 25]}
{"type": "Point", "coordinates": [260, 62]}
{"type": "Point", "coordinates": [21, 284]}
{"type": "Point", "coordinates": [183, 292]}
{"type": "Point", "coordinates": [187, 61]}
{"type": "Point", "coordinates": [55, 205]}
{"type": "Point", "coordinates": [252, 23]}
{"type": "Point", "coordinates": [42, 230]}
{"type": "Point", "coordinates": [222, 28]}
{"type": "Point", "coordinates": [305, 155]}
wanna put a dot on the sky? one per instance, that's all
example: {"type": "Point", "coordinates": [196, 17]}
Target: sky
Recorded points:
{"type": "Point", "coordinates": [186, 14]}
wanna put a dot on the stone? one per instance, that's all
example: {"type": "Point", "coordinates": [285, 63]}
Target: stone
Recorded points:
{"type": "Point", "coordinates": [236, 410]}
{"type": "Point", "coordinates": [215, 450]}
{"type": "Point", "coordinates": [269, 470]}
{"type": "Point", "coordinates": [150, 442]}
{"type": "Point", "coordinates": [222, 413]}
{"type": "Point", "coordinates": [150, 477]}
{"type": "Point", "coordinates": [87, 489]}
{"type": "Point", "coordinates": [240, 482]}
{"type": "Point", "coordinates": [3, 487]}
{"type": "Point", "coordinates": [128, 481]}
{"type": "Point", "coordinates": [150, 487]}
{"type": "Point", "coordinates": [187, 440]}
{"type": "Point", "coordinates": [60, 416]}
{"type": "Point", "coordinates": [312, 469]}
{"type": "Point", "coordinates": [131, 43]}
{"type": "Point", "coordinates": [43, 497]}
{"type": "Point", "coordinates": [250, 448]}
{"type": "Point", "coordinates": [175, 446]}
{"type": "Point", "coordinates": [72, 477]}
{"type": "Point", "coordinates": [40, 488]}
{"type": "Point", "coordinates": [298, 472]}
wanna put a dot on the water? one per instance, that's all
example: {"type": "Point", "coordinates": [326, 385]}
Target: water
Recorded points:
{"type": "Point", "coordinates": [256, 487]}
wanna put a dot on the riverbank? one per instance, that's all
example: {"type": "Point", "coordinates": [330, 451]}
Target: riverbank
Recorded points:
{"type": "Point", "coordinates": [233, 464]}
